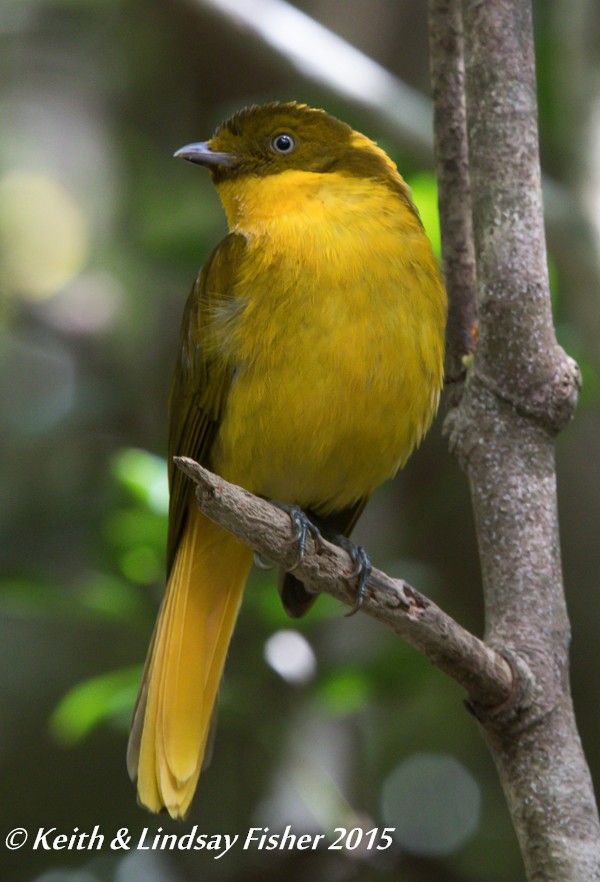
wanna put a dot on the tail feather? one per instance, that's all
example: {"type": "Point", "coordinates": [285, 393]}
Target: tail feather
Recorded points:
{"type": "Point", "coordinates": [172, 718]}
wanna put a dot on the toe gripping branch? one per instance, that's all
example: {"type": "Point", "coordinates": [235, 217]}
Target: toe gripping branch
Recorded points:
{"type": "Point", "coordinates": [303, 526]}
{"type": "Point", "coordinates": [362, 569]}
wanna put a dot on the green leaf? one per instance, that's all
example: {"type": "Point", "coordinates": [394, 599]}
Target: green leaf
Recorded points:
{"type": "Point", "coordinates": [107, 698]}
{"type": "Point", "coordinates": [425, 195]}
{"type": "Point", "coordinates": [345, 691]}
{"type": "Point", "coordinates": [144, 475]}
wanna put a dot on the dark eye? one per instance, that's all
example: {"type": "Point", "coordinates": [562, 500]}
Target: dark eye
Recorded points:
{"type": "Point", "coordinates": [283, 143]}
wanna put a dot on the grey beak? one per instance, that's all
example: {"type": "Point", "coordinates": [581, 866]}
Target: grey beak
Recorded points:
{"type": "Point", "coordinates": [201, 154]}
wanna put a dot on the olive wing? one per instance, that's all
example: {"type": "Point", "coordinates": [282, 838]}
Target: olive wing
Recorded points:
{"type": "Point", "coordinates": [202, 377]}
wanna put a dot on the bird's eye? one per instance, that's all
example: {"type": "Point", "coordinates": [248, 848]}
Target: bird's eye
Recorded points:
{"type": "Point", "coordinates": [283, 143]}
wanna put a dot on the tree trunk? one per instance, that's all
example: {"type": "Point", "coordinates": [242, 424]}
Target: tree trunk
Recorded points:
{"type": "Point", "coordinates": [520, 390]}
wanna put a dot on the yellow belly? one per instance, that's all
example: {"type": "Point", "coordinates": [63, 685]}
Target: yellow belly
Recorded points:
{"type": "Point", "coordinates": [338, 350]}
{"type": "Point", "coordinates": [324, 442]}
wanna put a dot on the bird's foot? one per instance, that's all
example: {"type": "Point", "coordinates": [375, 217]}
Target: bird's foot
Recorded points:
{"type": "Point", "coordinates": [303, 526]}
{"type": "Point", "coordinates": [362, 569]}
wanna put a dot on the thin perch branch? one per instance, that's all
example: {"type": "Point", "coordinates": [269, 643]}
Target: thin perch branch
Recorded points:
{"type": "Point", "coordinates": [483, 672]}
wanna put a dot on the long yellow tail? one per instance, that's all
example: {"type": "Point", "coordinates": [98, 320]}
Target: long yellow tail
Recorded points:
{"type": "Point", "coordinates": [172, 717]}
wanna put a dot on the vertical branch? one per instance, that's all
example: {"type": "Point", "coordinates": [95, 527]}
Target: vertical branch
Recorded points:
{"type": "Point", "coordinates": [452, 166]}
{"type": "Point", "coordinates": [507, 207]}
{"type": "Point", "coordinates": [520, 390]}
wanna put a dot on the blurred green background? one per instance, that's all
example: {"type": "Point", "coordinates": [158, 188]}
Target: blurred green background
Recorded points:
{"type": "Point", "coordinates": [327, 722]}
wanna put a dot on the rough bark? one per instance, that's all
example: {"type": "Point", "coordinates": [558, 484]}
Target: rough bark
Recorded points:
{"type": "Point", "coordinates": [520, 390]}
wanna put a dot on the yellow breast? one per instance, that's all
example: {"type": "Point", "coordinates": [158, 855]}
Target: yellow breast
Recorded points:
{"type": "Point", "coordinates": [338, 340]}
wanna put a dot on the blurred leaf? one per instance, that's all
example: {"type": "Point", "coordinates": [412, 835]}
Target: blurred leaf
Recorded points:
{"type": "Point", "coordinates": [29, 597]}
{"type": "Point", "coordinates": [127, 527]}
{"type": "Point", "coordinates": [425, 195]}
{"type": "Point", "coordinates": [346, 691]}
{"type": "Point", "coordinates": [110, 597]}
{"type": "Point", "coordinates": [144, 475]}
{"type": "Point", "coordinates": [107, 698]}
{"type": "Point", "coordinates": [98, 596]}
{"type": "Point", "coordinates": [141, 564]}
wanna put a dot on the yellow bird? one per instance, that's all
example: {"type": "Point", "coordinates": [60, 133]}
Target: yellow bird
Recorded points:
{"type": "Point", "coordinates": [310, 366]}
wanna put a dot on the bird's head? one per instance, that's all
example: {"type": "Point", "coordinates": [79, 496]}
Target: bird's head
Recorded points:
{"type": "Point", "coordinates": [273, 138]}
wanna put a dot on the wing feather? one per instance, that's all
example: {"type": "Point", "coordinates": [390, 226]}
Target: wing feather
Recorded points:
{"type": "Point", "coordinates": [202, 378]}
